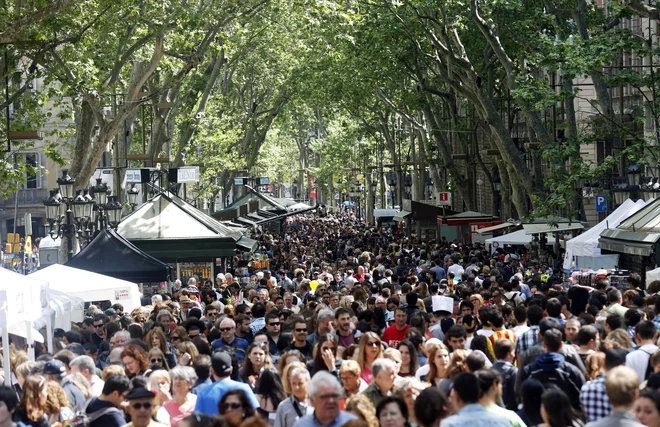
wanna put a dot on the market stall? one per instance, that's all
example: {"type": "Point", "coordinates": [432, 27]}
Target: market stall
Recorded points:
{"type": "Point", "coordinates": [23, 300]}
{"type": "Point", "coordinates": [583, 251]}
{"type": "Point", "coordinates": [517, 238]}
{"type": "Point", "coordinates": [90, 287]}
{"type": "Point", "coordinates": [112, 255]}
{"type": "Point", "coordinates": [636, 239]}
{"type": "Point", "coordinates": [173, 231]}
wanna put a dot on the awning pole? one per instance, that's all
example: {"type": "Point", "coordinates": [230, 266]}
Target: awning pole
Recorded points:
{"type": "Point", "coordinates": [5, 355]}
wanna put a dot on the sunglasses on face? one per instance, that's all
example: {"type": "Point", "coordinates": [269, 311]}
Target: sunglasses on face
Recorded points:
{"type": "Point", "coordinates": [157, 360]}
{"type": "Point", "coordinates": [174, 338]}
{"type": "Point", "coordinates": [248, 313]}
{"type": "Point", "coordinates": [228, 406]}
{"type": "Point", "coordinates": [145, 405]}
{"type": "Point", "coordinates": [211, 314]}
{"type": "Point", "coordinates": [301, 329]}
{"type": "Point", "coordinates": [98, 326]}
{"type": "Point", "coordinates": [373, 343]}
{"type": "Point", "coordinates": [226, 329]}
{"type": "Point", "coordinates": [274, 324]}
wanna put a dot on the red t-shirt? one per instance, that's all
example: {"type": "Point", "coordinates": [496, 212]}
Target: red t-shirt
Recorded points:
{"type": "Point", "coordinates": [393, 336]}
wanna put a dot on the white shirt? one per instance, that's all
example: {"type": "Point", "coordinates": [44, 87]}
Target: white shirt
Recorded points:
{"type": "Point", "coordinates": [96, 385]}
{"type": "Point", "coordinates": [457, 270]}
{"type": "Point", "coordinates": [520, 329]}
{"type": "Point", "coordinates": [485, 332]}
{"type": "Point", "coordinates": [638, 360]}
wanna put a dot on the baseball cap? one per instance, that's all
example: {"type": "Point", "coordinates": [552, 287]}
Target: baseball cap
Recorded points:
{"type": "Point", "coordinates": [110, 312]}
{"type": "Point", "coordinates": [221, 363]}
{"type": "Point", "coordinates": [54, 367]}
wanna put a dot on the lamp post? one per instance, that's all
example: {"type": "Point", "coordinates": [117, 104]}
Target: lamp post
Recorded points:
{"type": "Point", "coordinates": [391, 182]}
{"type": "Point", "coordinates": [408, 186]}
{"type": "Point", "coordinates": [73, 215]}
{"type": "Point", "coordinates": [132, 194]}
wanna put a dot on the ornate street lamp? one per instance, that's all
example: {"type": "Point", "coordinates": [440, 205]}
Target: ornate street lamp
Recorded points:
{"type": "Point", "coordinates": [100, 192]}
{"type": "Point", "coordinates": [113, 209]}
{"type": "Point", "coordinates": [71, 214]}
{"type": "Point", "coordinates": [132, 195]}
{"type": "Point", "coordinates": [66, 184]}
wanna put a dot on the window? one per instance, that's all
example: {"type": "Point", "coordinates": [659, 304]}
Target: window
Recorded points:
{"type": "Point", "coordinates": [33, 177]}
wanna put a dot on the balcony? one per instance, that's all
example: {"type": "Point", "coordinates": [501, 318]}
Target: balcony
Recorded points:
{"type": "Point", "coordinates": [25, 197]}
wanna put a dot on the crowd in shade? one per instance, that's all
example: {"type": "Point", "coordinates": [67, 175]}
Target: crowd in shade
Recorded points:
{"type": "Point", "coordinates": [351, 326]}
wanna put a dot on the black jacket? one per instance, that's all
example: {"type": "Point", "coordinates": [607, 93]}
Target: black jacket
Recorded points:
{"type": "Point", "coordinates": [508, 373]}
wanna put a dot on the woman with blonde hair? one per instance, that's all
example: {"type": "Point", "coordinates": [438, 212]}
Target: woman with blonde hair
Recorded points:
{"type": "Point", "coordinates": [360, 406]}
{"type": "Point", "coordinates": [456, 365]}
{"type": "Point", "coordinates": [22, 371]}
{"type": "Point", "coordinates": [286, 375]}
{"type": "Point", "coordinates": [57, 404]}
{"type": "Point", "coordinates": [620, 339]}
{"type": "Point", "coordinates": [112, 369]}
{"type": "Point", "coordinates": [32, 408]}
{"type": "Point", "coordinates": [156, 339]}
{"type": "Point", "coordinates": [594, 365]}
{"type": "Point", "coordinates": [288, 358]}
{"type": "Point", "coordinates": [370, 350]}
{"type": "Point", "coordinates": [186, 353]}
{"type": "Point", "coordinates": [157, 359]}
{"type": "Point", "coordinates": [159, 383]}
{"type": "Point", "coordinates": [438, 364]}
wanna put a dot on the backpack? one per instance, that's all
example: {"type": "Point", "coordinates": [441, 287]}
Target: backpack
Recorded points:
{"type": "Point", "coordinates": [649, 366]}
{"type": "Point", "coordinates": [512, 300]}
{"type": "Point", "coordinates": [558, 379]}
{"type": "Point", "coordinates": [83, 419]}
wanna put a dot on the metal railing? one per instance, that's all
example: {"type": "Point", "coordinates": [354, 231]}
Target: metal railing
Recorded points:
{"type": "Point", "coordinates": [25, 197]}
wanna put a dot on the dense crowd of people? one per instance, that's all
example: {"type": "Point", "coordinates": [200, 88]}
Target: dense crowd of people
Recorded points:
{"type": "Point", "coordinates": [344, 329]}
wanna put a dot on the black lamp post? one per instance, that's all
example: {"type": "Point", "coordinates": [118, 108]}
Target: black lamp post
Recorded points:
{"type": "Point", "coordinates": [408, 186]}
{"type": "Point", "coordinates": [73, 215]}
{"type": "Point", "coordinates": [391, 182]}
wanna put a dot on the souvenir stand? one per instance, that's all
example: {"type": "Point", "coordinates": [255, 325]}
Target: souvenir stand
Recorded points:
{"type": "Point", "coordinates": [23, 300]}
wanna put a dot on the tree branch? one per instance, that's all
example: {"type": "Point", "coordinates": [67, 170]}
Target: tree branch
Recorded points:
{"type": "Point", "coordinates": [11, 34]}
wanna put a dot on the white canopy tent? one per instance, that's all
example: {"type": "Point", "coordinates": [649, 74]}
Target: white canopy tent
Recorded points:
{"type": "Point", "coordinates": [90, 286]}
{"type": "Point", "coordinates": [23, 300]}
{"type": "Point", "coordinates": [652, 275]}
{"type": "Point", "coordinates": [586, 244]}
{"type": "Point", "coordinates": [519, 237]}
{"type": "Point", "coordinates": [65, 309]}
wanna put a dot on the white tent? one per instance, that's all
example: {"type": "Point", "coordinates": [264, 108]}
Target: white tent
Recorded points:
{"type": "Point", "coordinates": [65, 308]}
{"type": "Point", "coordinates": [516, 238]}
{"type": "Point", "coordinates": [23, 300]}
{"type": "Point", "coordinates": [652, 275]}
{"type": "Point", "coordinates": [586, 244]}
{"type": "Point", "coordinates": [90, 286]}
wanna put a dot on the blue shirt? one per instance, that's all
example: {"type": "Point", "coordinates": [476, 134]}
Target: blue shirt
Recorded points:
{"type": "Point", "coordinates": [257, 324]}
{"type": "Point", "coordinates": [474, 415]}
{"type": "Point", "coordinates": [200, 384]}
{"type": "Point", "coordinates": [311, 420]}
{"type": "Point", "coordinates": [439, 272]}
{"type": "Point", "coordinates": [237, 343]}
{"type": "Point", "coordinates": [209, 397]}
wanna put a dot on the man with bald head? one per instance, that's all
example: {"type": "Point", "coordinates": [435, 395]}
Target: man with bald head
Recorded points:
{"type": "Point", "coordinates": [228, 338]}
